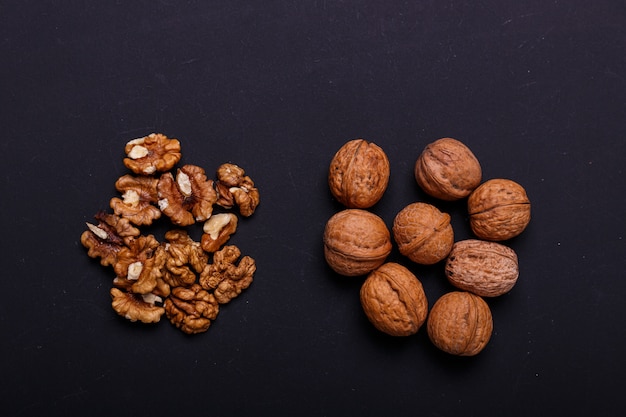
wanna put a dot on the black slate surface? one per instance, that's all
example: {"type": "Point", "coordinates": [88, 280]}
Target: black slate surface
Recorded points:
{"type": "Point", "coordinates": [535, 88]}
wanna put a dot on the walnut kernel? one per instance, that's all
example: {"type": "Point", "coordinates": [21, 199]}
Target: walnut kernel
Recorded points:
{"type": "Point", "coordinates": [152, 153]}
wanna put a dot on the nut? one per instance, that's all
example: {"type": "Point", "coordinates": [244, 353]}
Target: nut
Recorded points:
{"type": "Point", "coordinates": [499, 209]}
{"type": "Point", "coordinates": [138, 196]}
{"type": "Point", "coordinates": [393, 300]}
{"type": "Point", "coordinates": [152, 153]}
{"type": "Point", "coordinates": [217, 230]}
{"type": "Point", "coordinates": [423, 233]}
{"type": "Point", "coordinates": [488, 269]}
{"type": "Point", "coordinates": [356, 242]}
{"type": "Point", "coordinates": [191, 309]}
{"type": "Point", "coordinates": [136, 306]}
{"type": "Point", "coordinates": [460, 323]}
{"type": "Point", "coordinates": [234, 187]}
{"type": "Point", "coordinates": [108, 237]}
{"type": "Point", "coordinates": [447, 169]}
{"type": "Point", "coordinates": [359, 174]}
{"type": "Point", "coordinates": [225, 277]}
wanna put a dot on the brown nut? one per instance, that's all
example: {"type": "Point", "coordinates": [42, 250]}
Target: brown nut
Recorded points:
{"type": "Point", "coordinates": [499, 209]}
{"type": "Point", "coordinates": [393, 300]}
{"type": "Point", "coordinates": [356, 242]}
{"type": "Point", "coordinates": [217, 230]}
{"type": "Point", "coordinates": [488, 269]}
{"type": "Point", "coordinates": [447, 169]}
{"type": "Point", "coordinates": [460, 323]}
{"type": "Point", "coordinates": [359, 174]}
{"type": "Point", "coordinates": [423, 233]}
{"type": "Point", "coordinates": [152, 153]}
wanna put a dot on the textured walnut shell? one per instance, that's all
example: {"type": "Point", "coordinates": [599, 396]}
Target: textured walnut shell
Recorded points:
{"type": "Point", "coordinates": [460, 323]}
{"type": "Point", "coordinates": [488, 269]}
{"type": "Point", "coordinates": [499, 209]}
{"type": "Point", "coordinates": [423, 233]}
{"type": "Point", "coordinates": [393, 300]}
{"type": "Point", "coordinates": [447, 169]}
{"type": "Point", "coordinates": [359, 174]}
{"type": "Point", "coordinates": [356, 242]}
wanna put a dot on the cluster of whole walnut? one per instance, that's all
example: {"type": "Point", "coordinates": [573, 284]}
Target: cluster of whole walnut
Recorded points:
{"type": "Point", "coordinates": [184, 279]}
{"type": "Point", "coordinates": [357, 242]}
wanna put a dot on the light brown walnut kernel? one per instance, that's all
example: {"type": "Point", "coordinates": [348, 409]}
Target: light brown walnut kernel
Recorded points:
{"type": "Point", "coordinates": [184, 259]}
{"type": "Point", "coordinates": [191, 309]}
{"type": "Point", "coordinates": [488, 269]}
{"type": "Point", "coordinates": [217, 231]}
{"type": "Point", "coordinates": [447, 169]}
{"type": "Point", "coordinates": [358, 174]}
{"type": "Point", "coordinates": [460, 323]}
{"type": "Point", "coordinates": [225, 277]}
{"type": "Point", "coordinates": [108, 237]}
{"type": "Point", "coordinates": [139, 196]}
{"type": "Point", "coordinates": [423, 233]}
{"type": "Point", "coordinates": [136, 307]}
{"type": "Point", "coordinates": [394, 300]}
{"type": "Point", "coordinates": [235, 188]}
{"type": "Point", "coordinates": [153, 153]}
{"type": "Point", "coordinates": [188, 198]}
{"type": "Point", "coordinates": [499, 209]}
{"type": "Point", "coordinates": [356, 242]}
{"type": "Point", "coordinates": [139, 265]}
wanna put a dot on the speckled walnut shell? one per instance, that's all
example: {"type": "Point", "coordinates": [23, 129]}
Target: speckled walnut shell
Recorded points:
{"type": "Point", "coordinates": [460, 323]}
{"type": "Point", "coordinates": [488, 269]}
{"type": "Point", "coordinates": [423, 233]}
{"type": "Point", "coordinates": [359, 174]}
{"type": "Point", "coordinates": [356, 242]}
{"type": "Point", "coordinates": [499, 209]}
{"type": "Point", "coordinates": [393, 300]}
{"type": "Point", "coordinates": [447, 169]}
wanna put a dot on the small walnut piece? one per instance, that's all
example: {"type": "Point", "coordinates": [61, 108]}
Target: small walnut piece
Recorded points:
{"type": "Point", "coordinates": [152, 153]}
{"type": "Point", "coordinates": [136, 307]}
{"type": "Point", "coordinates": [447, 169]}
{"type": "Point", "coordinates": [225, 277]}
{"type": "Point", "coordinates": [423, 233]}
{"type": "Point", "coordinates": [217, 231]}
{"type": "Point", "coordinates": [460, 323]}
{"type": "Point", "coordinates": [499, 209]}
{"type": "Point", "coordinates": [356, 242]}
{"type": "Point", "coordinates": [234, 187]}
{"type": "Point", "coordinates": [359, 174]}
{"type": "Point", "coordinates": [393, 300]}
{"type": "Point", "coordinates": [139, 194]}
{"type": "Point", "coordinates": [191, 309]}
{"type": "Point", "coordinates": [488, 269]}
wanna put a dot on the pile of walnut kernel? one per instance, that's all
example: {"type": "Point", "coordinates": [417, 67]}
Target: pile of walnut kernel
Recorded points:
{"type": "Point", "coordinates": [357, 242]}
{"type": "Point", "coordinates": [184, 279]}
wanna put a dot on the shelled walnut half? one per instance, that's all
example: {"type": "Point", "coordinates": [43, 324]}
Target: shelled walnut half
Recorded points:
{"type": "Point", "coordinates": [234, 187]}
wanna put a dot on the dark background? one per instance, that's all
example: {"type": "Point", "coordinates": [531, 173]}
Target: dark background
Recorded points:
{"type": "Point", "coordinates": [535, 88]}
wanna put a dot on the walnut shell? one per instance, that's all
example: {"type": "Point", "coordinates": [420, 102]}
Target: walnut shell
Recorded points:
{"type": "Point", "coordinates": [356, 242]}
{"type": "Point", "coordinates": [393, 300]}
{"type": "Point", "coordinates": [359, 174]}
{"type": "Point", "coordinates": [423, 233]}
{"type": "Point", "coordinates": [499, 209]}
{"type": "Point", "coordinates": [447, 169]}
{"type": "Point", "coordinates": [488, 269]}
{"type": "Point", "coordinates": [460, 323]}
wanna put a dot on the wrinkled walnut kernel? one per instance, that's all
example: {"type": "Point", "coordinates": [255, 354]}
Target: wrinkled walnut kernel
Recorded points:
{"type": "Point", "coordinates": [139, 194]}
{"type": "Point", "coordinates": [152, 153]}
{"type": "Point", "coordinates": [191, 309]}
{"type": "Point", "coordinates": [225, 277]}
{"type": "Point", "coordinates": [217, 231]}
{"type": "Point", "coordinates": [184, 259]}
{"type": "Point", "coordinates": [234, 187]}
{"type": "Point", "coordinates": [136, 307]}
{"type": "Point", "coordinates": [108, 237]}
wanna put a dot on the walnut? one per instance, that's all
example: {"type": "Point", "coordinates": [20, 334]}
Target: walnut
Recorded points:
{"type": "Point", "coordinates": [137, 306]}
{"type": "Point", "coordinates": [234, 187]}
{"type": "Point", "coordinates": [225, 277]}
{"type": "Point", "coordinates": [108, 237]}
{"type": "Point", "coordinates": [488, 269]}
{"type": "Point", "coordinates": [356, 242]}
{"type": "Point", "coordinates": [191, 309]}
{"type": "Point", "coordinates": [447, 169]}
{"type": "Point", "coordinates": [187, 199]}
{"type": "Point", "coordinates": [393, 300]}
{"type": "Point", "coordinates": [423, 233]}
{"type": "Point", "coordinates": [217, 231]}
{"type": "Point", "coordinates": [184, 259]}
{"type": "Point", "coordinates": [499, 209]}
{"type": "Point", "coordinates": [460, 323]}
{"type": "Point", "coordinates": [152, 153]}
{"type": "Point", "coordinates": [139, 265]}
{"type": "Point", "coordinates": [359, 174]}
{"type": "Point", "coordinates": [139, 194]}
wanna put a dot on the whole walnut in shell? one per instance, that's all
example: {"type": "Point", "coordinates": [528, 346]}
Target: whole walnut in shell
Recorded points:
{"type": "Point", "coordinates": [499, 209]}
{"type": "Point", "coordinates": [460, 323]}
{"type": "Point", "coordinates": [488, 269]}
{"type": "Point", "coordinates": [356, 242]}
{"type": "Point", "coordinates": [393, 300]}
{"type": "Point", "coordinates": [359, 174]}
{"type": "Point", "coordinates": [423, 233]}
{"type": "Point", "coordinates": [447, 169]}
